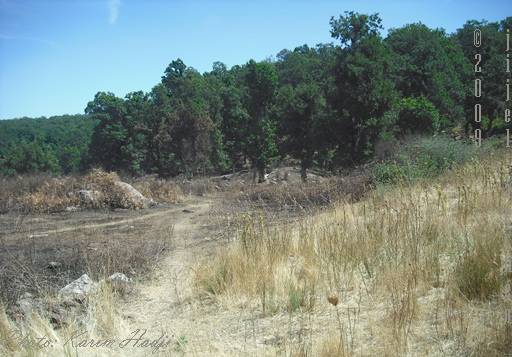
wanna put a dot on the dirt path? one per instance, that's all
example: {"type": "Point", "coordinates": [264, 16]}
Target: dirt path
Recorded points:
{"type": "Point", "coordinates": [115, 223]}
{"type": "Point", "coordinates": [166, 304]}
{"type": "Point", "coordinates": [164, 297]}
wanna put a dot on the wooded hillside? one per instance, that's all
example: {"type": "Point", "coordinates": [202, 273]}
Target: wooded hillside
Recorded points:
{"type": "Point", "coordinates": [325, 106]}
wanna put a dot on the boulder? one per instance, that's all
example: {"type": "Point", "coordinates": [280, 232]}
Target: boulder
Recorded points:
{"type": "Point", "coordinates": [79, 289]}
{"type": "Point", "coordinates": [129, 197]}
{"type": "Point", "coordinates": [28, 304]}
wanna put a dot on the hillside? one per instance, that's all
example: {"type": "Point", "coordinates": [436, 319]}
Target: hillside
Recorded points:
{"type": "Point", "coordinates": [56, 144]}
{"type": "Point", "coordinates": [421, 269]}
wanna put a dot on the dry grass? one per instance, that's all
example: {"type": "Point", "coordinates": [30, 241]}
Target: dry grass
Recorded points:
{"type": "Point", "coordinates": [46, 194]}
{"type": "Point", "coordinates": [97, 252]}
{"type": "Point", "coordinates": [301, 197]}
{"type": "Point", "coordinates": [37, 193]}
{"type": "Point", "coordinates": [35, 335]}
{"type": "Point", "coordinates": [407, 270]}
{"type": "Point", "coordinates": [426, 259]}
{"type": "Point", "coordinates": [160, 190]}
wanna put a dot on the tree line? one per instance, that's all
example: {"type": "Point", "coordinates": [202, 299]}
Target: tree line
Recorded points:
{"type": "Point", "coordinates": [57, 145]}
{"type": "Point", "coordinates": [326, 106]}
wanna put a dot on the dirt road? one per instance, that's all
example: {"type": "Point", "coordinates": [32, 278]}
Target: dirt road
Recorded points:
{"type": "Point", "coordinates": [163, 303]}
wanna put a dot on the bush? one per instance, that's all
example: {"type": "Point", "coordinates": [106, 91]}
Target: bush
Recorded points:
{"type": "Point", "coordinates": [307, 196]}
{"type": "Point", "coordinates": [388, 173]}
{"type": "Point", "coordinates": [418, 115]}
{"type": "Point", "coordinates": [423, 158]}
{"type": "Point", "coordinates": [43, 193]}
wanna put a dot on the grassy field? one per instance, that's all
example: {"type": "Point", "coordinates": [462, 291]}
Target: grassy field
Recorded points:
{"type": "Point", "coordinates": [421, 267]}
{"type": "Point", "coordinates": [410, 270]}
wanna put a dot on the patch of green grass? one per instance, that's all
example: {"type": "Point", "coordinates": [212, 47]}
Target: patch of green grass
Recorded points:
{"type": "Point", "coordinates": [423, 158]}
{"type": "Point", "coordinates": [295, 298]}
{"type": "Point", "coordinates": [180, 344]}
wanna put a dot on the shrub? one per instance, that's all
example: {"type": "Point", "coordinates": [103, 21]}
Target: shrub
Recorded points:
{"type": "Point", "coordinates": [388, 173]}
{"type": "Point", "coordinates": [418, 115]}
{"type": "Point", "coordinates": [43, 193]}
{"type": "Point", "coordinates": [423, 158]}
{"type": "Point", "coordinates": [306, 196]}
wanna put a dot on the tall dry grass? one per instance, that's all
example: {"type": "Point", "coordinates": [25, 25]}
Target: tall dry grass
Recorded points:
{"type": "Point", "coordinates": [303, 197]}
{"type": "Point", "coordinates": [426, 260]}
{"type": "Point", "coordinates": [47, 194]}
{"type": "Point", "coordinates": [36, 336]}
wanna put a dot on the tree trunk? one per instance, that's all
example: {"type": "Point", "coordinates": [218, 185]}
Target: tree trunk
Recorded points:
{"type": "Point", "coordinates": [303, 171]}
{"type": "Point", "coordinates": [261, 174]}
{"type": "Point", "coordinates": [254, 173]}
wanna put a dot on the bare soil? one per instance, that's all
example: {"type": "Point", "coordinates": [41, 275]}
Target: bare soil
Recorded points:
{"type": "Point", "coordinates": [96, 242]}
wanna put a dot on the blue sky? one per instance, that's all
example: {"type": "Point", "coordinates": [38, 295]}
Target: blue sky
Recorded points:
{"type": "Point", "coordinates": [55, 55]}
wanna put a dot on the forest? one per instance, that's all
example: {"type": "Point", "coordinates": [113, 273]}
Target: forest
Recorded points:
{"type": "Point", "coordinates": [328, 106]}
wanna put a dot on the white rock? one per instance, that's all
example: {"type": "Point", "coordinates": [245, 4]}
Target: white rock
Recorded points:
{"type": "Point", "coordinates": [54, 265]}
{"type": "Point", "coordinates": [78, 289]}
{"type": "Point", "coordinates": [120, 281]}
{"type": "Point", "coordinates": [119, 277]}
{"type": "Point", "coordinates": [131, 198]}
{"type": "Point", "coordinates": [28, 304]}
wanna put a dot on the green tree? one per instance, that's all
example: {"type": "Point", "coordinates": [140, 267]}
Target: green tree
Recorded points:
{"type": "Point", "coordinates": [364, 88]}
{"type": "Point", "coordinates": [64, 137]}
{"type": "Point", "coordinates": [110, 135]}
{"type": "Point", "coordinates": [429, 64]}
{"type": "Point", "coordinates": [301, 110]}
{"type": "Point", "coordinates": [301, 105]}
{"type": "Point", "coordinates": [194, 125]}
{"type": "Point", "coordinates": [493, 73]}
{"type": "Point", "coordinates": [260, 81]}
{"type": "Point", "coordinates": [29, 157]}
{"type": "Point", "coordinates": [354, 27]}
{"type": "Point", "coordinates": [163, 123]}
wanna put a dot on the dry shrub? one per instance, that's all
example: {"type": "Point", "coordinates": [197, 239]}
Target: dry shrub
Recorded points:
{"type": "Point", "coordinates": [52, 195]}
{"type": "Point", "coordinates": [306, 196]}
{"type": "Point", "coordinates": [37, 193]}
{"type": "Point", "coordinates": [42, 193]}
{"type": "Point", "coordinates": [110, 195]}
{"type": "Point", "coordinates": [158, 189]}
{"type": "Point", "coordinates": [151, 187]}
{"type": "Point", "coordinates": [199, 186]}
{"type": "Point", "coordinates": [101, 180]}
